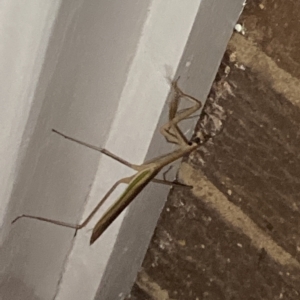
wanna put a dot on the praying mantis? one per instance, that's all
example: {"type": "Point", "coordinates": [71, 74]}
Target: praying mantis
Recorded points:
{"type": "Point", "coordinates": [145, 172]}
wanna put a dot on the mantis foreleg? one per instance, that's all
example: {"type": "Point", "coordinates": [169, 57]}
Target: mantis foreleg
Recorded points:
{"type": "Point", "coordinates": [145, 172]}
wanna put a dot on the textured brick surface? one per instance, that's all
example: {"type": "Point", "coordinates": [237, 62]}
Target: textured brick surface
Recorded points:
{"type": "Point", "coordinates": [236, 235]}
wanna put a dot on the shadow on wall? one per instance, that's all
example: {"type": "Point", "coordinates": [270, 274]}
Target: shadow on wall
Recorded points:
{"type": "Point", "coordinates": [14, 289]}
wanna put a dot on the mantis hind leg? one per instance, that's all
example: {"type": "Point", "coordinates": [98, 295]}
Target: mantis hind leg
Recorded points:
{"type": "Point", "coordinates": [86, 221]}
{"type": "Point", "coordinates": [125, 180]}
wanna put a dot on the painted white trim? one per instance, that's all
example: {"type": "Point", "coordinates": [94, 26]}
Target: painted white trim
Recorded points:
{"type": "Point", "coordinates": [160, 48]}
{"type": "Point", "coordinates": [24, 33]}
{"type": "Point", "coordinates": [102, 80]}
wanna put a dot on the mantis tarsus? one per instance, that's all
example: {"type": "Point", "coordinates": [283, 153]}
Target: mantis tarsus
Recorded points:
{"type": "Point", "coordinates": [146, 172]}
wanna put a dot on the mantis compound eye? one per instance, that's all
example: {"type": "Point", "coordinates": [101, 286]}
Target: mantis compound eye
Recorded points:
{"type": "Point", "coordinates": [197, 140]}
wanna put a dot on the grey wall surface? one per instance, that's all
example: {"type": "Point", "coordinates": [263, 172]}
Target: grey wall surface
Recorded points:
{"type": "Point", "coordinates": [90, 50]}
{"type": "Point", "coordinates": [200, 61]}
{"type": "Point", "coordinates": [95, 71]}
